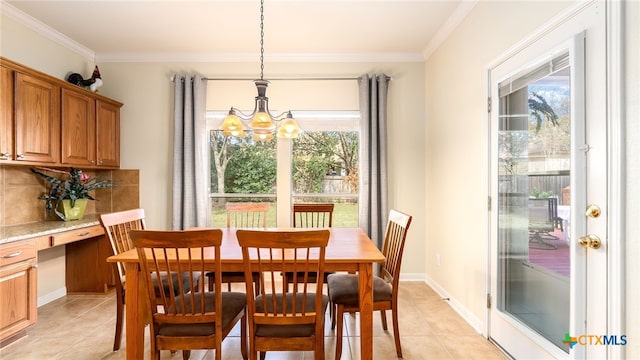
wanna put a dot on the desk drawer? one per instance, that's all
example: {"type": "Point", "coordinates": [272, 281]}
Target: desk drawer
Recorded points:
{"type": "Point", "coordinates": [76, 235]}
{"type": "Point", "coordinates": [15, 252]}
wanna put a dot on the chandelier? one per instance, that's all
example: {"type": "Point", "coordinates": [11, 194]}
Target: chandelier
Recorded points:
{"type": "Point", "coordinates": [262, 123]}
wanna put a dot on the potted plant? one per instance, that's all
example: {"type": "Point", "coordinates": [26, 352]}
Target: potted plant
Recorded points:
{"type": "Point", "coordinates": [69, 193]}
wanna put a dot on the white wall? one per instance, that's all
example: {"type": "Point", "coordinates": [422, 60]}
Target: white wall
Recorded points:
{"type": "Point", "coordinates": [457, 146]}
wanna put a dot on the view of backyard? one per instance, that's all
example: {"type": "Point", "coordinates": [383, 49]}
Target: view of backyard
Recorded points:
{"type": "Point", "coordinates": [344, 215]}
{"type": "Point", "coordinates": [324, 170]}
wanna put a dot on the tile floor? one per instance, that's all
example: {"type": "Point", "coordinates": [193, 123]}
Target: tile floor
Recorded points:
{"type": "Point", "coordinates": [82, 327]}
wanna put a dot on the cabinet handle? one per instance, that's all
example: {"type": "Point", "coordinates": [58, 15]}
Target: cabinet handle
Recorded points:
{"type": "Point", "coordinates": [5, 156]}
{"type": "Point", "coordinates": [83, 234]}
{"type": "Point", "coordinates": [9, 256]}
{"type": "Point", "coordinates": [92, 162]}
{"type": "Point", "coordinates": [35, 266]}
{"type": "Point", "coordinates": [20, 156]}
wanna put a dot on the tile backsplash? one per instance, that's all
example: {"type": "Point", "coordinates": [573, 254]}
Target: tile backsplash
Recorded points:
{"type": "Point", "coordinates": [20, 189]}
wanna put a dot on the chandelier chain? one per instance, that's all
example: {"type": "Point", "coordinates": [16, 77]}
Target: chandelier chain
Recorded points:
{"type": "Point", "coordinates": [261, 39]}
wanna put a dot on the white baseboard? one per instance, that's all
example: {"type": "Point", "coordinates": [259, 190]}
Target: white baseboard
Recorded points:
{"type": "Point", "coordinates": [54, 295]}
{"type": "Point", "coordinates": [413, 277]}
{"type": "Point", "coordinates": [457, 306]}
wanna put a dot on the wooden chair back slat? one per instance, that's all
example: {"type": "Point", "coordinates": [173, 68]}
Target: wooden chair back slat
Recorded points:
{"type": "Point", "coordinates": [247, 215]}
{"type": "Point", "coordinates": [313, 215]}
{"type": "Point", "coordinates": [117, 226]}
{"type": "Point", "coordinates": [393, 246]}
{"type": "Point", "coordinates": [163, 254]}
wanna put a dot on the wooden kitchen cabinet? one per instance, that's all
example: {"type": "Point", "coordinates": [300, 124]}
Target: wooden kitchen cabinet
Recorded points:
{"type": "Point", "coordinates": [90, 130]}
{"type": "Point", "coordinates": [18, 288]}
{"type": "Point", "coordinates": [37, 119]}
{"type": "Point", "coordinates": [48, 121]}
{"type": "Point", "coordinates": [6, 113]}
{"type": "Point", "coordinates": [108, 133]}
{"type": "Point", "coordinates": [78, 128]}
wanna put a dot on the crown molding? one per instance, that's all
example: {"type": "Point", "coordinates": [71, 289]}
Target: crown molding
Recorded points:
{"type": "Point", "coordinates": [45, 30]}
{"type": "Point", "coordinates": [245, 57]}
{"type": "Point", "coordinates": [448, 27]}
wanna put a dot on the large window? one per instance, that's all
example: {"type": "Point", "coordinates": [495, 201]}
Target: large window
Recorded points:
{"type": "Point", "coordinates": [321, 165]}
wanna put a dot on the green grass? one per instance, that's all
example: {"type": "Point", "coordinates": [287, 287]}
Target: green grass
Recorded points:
{"type": "Point", "coordinates": [344, 215]}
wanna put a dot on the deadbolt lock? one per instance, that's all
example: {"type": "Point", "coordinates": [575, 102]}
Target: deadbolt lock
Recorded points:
{"type": "Point", "coordinates": [593, 211]}
{"type": "Point", "coordinates": [592, 241]}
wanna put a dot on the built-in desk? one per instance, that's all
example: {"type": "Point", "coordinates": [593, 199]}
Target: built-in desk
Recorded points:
{"type": "Point", "coordinates": [86, 249]}
{"type": "Point", "coordinates": [86, 269]}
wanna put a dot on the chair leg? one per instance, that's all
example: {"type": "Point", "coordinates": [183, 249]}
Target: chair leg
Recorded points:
{"type": "Point", "coordinates": [186, 354]}
{"type": "Point", "coordinates": [339, 312]}
{"type": "Point", "coordinates": [263, 354]}
{"type": "Point", "coordinates": [210, 281]}
{"type": "Point", "coordinates": [318, 353]}
{"type": "Point", "coordinates": [396, 330]}
{"type": "Point", "coordinates": [333, 316]}
{"type": "Point", "coordinates": [383, 317]}
{"type": "Point", "coordinates": [243, 337]}
{"type": "Point", "coordinates": [119, 318]}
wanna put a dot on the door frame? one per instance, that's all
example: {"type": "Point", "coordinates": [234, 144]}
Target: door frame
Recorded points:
{"type": "Point", "coordinates": [615, 160]}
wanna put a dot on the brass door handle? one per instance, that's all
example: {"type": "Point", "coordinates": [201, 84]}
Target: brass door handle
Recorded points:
{"type": "Point", "coordinates": [592, 241]}
{"type": "Point", "coordinates": [593, 211]}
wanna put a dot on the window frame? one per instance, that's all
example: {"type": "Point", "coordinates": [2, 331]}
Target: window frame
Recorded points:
{"type": "Point", "coordinates": [317, 120]}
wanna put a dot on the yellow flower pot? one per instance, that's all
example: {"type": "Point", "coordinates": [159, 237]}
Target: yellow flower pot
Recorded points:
{"type": "Point", "coordinates": [72, 213]}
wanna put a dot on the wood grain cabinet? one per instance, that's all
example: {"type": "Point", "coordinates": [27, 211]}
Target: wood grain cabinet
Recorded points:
{"type": "Point", "coordinates": [78, 128]}
{"type": "Point", "coordinates": [18, 288]}
{"type": "Point", "coordinates": [6, 114]}
{"type": "Point", "coordinates": [90, 130]}
{"type": "Point", "coordinates": [48, 121]}
{"type": "Point", "coordinates": [108, 133]}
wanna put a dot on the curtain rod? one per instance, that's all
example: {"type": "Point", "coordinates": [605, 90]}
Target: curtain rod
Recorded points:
{"type": "Point", "coordinates": [283, 79]}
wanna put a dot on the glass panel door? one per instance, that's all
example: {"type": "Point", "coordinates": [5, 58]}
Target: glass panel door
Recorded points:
{"type": "Point", "coordinates": [534, 153]}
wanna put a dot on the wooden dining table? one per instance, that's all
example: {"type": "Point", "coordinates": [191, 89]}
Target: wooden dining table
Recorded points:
{"type": "Point", "coordinates": [349, 249]}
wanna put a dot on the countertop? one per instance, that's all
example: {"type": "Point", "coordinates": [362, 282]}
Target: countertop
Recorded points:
{"type": "Point", "coordinates": [43, 228]}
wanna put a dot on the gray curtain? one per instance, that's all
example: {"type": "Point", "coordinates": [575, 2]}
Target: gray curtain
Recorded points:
{"type": "Point", "coordinates": [190, 154]}
{"type": "Point", "coordinates": [373, 155]}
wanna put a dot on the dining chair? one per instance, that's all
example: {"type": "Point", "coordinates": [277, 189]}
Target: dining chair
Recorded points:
{"type": "Point", "coordinates": [343, 288]}
{"type": "Point", "coordinates": [310, 216]}
{"type": "Point", "coordinates": [280, 320]}
{"type": "Point", "coordinates": [313, 215]}
{"type": "Point", "coordinates": [182, 319]}
{"type": "Point", "coordinates": [117, 226]}
{"type": "Point", "coordinates": [242, 215]}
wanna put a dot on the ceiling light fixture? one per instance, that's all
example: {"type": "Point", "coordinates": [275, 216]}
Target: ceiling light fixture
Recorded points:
{"type": "Point", "coordinates": [262, 123]}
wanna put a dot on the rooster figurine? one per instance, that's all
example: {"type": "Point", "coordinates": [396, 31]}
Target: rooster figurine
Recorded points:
{"type": "Point", "coordinates": [92, 84]}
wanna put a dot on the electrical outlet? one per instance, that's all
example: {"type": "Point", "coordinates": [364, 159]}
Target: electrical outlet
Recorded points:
{"type": "Point", "coordinates": [438, 259]}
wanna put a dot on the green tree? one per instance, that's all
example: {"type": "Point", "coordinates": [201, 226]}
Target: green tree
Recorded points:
{"type": "Point", "coordinates": [251, 169]}
{"type": "Point", "coordinates": [317, 154]}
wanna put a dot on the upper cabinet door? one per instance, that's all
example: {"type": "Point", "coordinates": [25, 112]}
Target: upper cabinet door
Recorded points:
{"type": "Point", "coordinates": [108, 134]}
{"type": "Point", "coordinates": [78, 128]}
{"type": "Point", "coordinates": [37, 122]}
{"type": "Point", "coordinates": [6, 113]}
